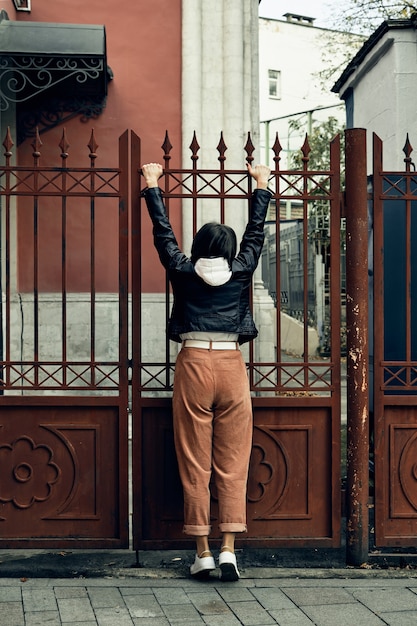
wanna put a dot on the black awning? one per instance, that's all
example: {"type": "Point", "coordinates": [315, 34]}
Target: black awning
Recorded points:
{"type": "Point", "coordinates": [40, 59]}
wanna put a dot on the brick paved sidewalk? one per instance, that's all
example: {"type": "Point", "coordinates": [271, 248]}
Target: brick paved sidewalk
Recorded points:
{"type": "Point", "coordinates": [152, 601]}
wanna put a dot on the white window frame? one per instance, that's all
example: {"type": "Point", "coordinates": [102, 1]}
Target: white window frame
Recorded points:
{"type": "Point", "coordinates": [22, 5]}
{"type": "Point", "coordinates": [274, 82]}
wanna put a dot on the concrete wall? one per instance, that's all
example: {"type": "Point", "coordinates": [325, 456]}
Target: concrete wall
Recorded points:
{"type": "Point", "coordinates": [292, 337]}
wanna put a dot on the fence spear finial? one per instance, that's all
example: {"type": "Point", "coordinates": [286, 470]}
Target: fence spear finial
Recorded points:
{"type": "Point", "coordinates": [221, 148]}
{"type": "Point", "coordinates": [36, 145]}
{"type": "Point", "coordinates": [166, 147]}
{"type": "Point", "coordinates": [92, 145]}
{"type": "Point", "coordinates": [408, 149]}
{"type": "Point", "coordinates": [8, 145]}
{"type": "Point", "coordinates": [194, 147]}
{"type": "Point", "coordinates": [64, 145]}
{"type": "Point", "coordinates": [249, 149]}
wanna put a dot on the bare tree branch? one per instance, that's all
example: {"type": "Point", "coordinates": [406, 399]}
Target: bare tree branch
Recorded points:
{"type": "Point", "coordinates": [364, 16]}
{"type": "Point", "coordinates": [352, 24]}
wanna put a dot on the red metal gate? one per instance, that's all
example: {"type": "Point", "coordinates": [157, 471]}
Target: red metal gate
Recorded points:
{"type": "Point", "coordinates": [294, 483]}
{"type": "Point", "coordinates": [65, 366]}
{"type": "Point", "coordinates": [65, 362]}
{"type": "Point", "coordinates": [395, 351]}
{"type": "Point", "coordinates": [64, 352]}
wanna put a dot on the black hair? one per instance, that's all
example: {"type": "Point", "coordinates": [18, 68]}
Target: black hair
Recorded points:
{"type": "Point", "coordinates": [214, 240]}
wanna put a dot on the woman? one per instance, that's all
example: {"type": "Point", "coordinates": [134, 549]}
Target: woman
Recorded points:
{"type": "Point", "coordinates": [212, 408]}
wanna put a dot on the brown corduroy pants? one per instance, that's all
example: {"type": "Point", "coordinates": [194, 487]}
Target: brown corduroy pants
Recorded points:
{"type": "Point", "coordinates": [213, 433]}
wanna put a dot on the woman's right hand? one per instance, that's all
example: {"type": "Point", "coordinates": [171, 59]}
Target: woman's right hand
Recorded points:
{"type": "Point", "coordinates": [151, 173]}
{"type": "Point", "coordinates": [261, 174]}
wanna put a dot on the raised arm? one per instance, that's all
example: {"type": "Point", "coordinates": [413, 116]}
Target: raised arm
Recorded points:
{"type": "Point", "coordinates": [164, 238]}
{"type": "Point", "coordinates": [253, 237]}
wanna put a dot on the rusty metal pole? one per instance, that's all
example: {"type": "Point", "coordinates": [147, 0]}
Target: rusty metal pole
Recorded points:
{"type": "Point", "coordinates": [357, 539]}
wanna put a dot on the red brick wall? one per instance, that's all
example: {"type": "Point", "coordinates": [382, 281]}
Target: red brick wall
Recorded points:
{"type": "Point", "coordinates": [144, 53]}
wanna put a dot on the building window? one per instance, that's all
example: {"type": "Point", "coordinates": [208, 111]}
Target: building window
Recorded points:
{"type": "Point", "coordinates": [22, 5]}
{"type": "Point", "coordinates": [274, 80]}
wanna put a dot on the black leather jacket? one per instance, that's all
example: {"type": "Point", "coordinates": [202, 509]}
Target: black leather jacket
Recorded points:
{"type": "Point", "coordinates": [197, 305]}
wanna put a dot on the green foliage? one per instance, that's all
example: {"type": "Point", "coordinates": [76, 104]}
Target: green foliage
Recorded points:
{"type": "Point", "coordinates": [319, 141]}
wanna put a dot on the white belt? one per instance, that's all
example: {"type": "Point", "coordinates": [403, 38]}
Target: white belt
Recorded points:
{"type": "Point", "coordinates": [210, 345]}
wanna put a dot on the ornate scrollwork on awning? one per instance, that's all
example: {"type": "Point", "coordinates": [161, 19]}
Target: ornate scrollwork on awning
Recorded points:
{"type": "Point", "coordinates": [25, 78]}
{"type": "Point", "coordinates": [44, 63]}
{"type": "Point", "coordinates": [55, 111]}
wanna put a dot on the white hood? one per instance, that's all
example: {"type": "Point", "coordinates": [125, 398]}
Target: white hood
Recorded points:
{"type": "Point", "coordinates": [214, 271]}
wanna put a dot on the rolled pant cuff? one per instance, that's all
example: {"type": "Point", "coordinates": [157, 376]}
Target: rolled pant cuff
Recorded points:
{"type": "Point", "coordinates": [196, 531]}
{"type": "Point", "coordinates": [233, 527]}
